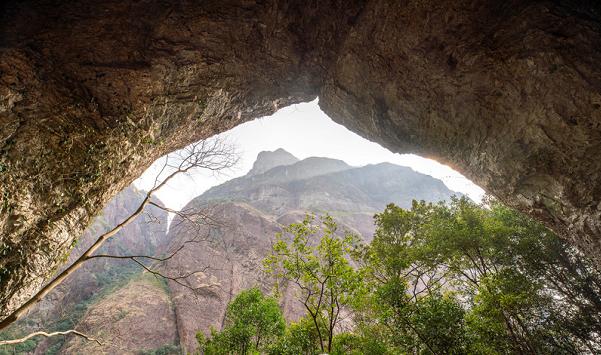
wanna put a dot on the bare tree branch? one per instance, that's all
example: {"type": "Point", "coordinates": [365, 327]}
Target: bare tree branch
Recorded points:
{"type": "Point", "coordinates": [48, 335]}
{"type": "Point", "coordinates": [211, 155]}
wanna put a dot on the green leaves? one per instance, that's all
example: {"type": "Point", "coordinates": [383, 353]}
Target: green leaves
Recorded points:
{"type": "Point", "coordinates": [299, 338]}
{"type": "Point", "coordinates": [460, 278]}
{"type": "Point", "coordinates": [315, 257]}
{"type": "Point", "coordinates": [508, 284]}
{"type": "Point", "coordinates": [253, 322]}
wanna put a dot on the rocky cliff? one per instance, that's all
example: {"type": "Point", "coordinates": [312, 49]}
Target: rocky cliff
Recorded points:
{"type": "Point", "coordinates": [268, 160]}
{"type": "Point", "coordinates": [253, 208]}
{"type": "Point", "coordinates": [115, 300]}
{"type": "Point", "coordinates": [107, 296]}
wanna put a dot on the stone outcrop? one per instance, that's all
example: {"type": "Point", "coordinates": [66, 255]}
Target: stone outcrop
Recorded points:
{"type": "Point", "coordinates": [506, 92]}
{"type": "Point", "coordinates": [268, 160]}
{"type": "Point", "coordinates": [136, 318]}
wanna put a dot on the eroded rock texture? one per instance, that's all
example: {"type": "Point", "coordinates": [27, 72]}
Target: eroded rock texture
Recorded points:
{"type": "Point", "coordinates": [508, 93]}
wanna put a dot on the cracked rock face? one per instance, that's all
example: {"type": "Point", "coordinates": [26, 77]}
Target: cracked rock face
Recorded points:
{"type": "Point", "coordinates": [508, 93]}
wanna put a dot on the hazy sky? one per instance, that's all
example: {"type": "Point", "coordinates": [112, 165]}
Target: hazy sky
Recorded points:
{"type": "Point", "coordinates": [305, 131]}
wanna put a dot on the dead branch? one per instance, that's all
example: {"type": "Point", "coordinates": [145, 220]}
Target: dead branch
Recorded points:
{"type": "Point", "coordinates": [177, 279]}
{"type": "Point", "coordinates": [198, 218]}
{"type": "Point", "coordinates": [48, 335]}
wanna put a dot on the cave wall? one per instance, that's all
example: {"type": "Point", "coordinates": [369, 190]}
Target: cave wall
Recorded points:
{"type": "Point", "coordinates": [507, 93]}
{"type": "Point", "coordinates": [91, 93]}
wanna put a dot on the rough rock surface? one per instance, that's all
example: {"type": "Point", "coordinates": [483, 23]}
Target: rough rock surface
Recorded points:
{"type": "Point", "coordinates": [136, 318]}
{"type": "Point", "coordinates": [506, 92]}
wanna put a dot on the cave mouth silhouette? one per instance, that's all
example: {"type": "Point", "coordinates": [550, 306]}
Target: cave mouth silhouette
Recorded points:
{"type": "Point", "coordinates": [303, 130]}
{"type": "Point", "coordinates": [91, 93]}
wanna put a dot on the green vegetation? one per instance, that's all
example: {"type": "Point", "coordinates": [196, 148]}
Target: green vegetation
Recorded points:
{"type": "Point", "coordinates": [477, 280]}
{"type": "Point", "coordinates": [23, 348]}
{"type": "Point", "coordinates": [168, 349]}
{"type": "Point", "coordinates": [456, 278]}
{"type": "Point", "coordinates": [314, 258]}
{"type": "Point", "coordinates": [109, 280]}
{"type": "Point", "coordinates": [252, 322]}
{"type": "Point", "coordinates": [112, 278]}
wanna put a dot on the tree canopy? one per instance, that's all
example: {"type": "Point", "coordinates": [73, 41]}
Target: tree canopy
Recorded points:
{"type": "Point", "coordinates": [467, 278]}
{"type": "Point", "coordinates": [454, 278]}
{"type": "Point", "coordinates": [315, 258]}
{"type": "Point", "coordinates": [252, 322]}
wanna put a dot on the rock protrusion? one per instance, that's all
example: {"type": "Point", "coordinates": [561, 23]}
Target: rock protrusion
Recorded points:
{"type": "Point", "coordinates": [267, 160]}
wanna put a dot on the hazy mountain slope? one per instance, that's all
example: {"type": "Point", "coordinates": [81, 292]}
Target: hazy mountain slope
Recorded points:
{"type": "Point", "coordinates": [328, 185]}
{"type": "Point", "coordinates": [249, 187]}
{"type": "Point", "coordinates": [373, 186]}
{"type": "Point", "coordinates": [255, 207]}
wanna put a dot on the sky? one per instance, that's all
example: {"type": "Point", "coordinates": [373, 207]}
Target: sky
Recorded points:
{"type": "Point", "coordinates": [305, 131]}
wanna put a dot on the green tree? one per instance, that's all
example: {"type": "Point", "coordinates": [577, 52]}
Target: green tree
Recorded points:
{"type": "Point", "coordinates": [405, 302]}
{"type": "Point", "coordinates": [498, 281]}
{"type": "Point", "coordinates": [517, 276]}
{"type": "Point", "coordinates": [315, 258]}
{"type": "Point", "coordinates": [353, 343]}
{"type": "Point", "coordinates": [299, 338]}
{"type": "Point", "coordinates": [252, 323]}
{"type": "Point", "coordinates": [451, 278]}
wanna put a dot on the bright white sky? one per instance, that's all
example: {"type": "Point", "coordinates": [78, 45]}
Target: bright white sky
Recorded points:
{"type": "Point", "coordinates": [305, 131]}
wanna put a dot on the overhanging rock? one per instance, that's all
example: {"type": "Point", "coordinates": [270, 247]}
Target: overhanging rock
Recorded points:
{"type": "Point", "coordinates": [508, 93]}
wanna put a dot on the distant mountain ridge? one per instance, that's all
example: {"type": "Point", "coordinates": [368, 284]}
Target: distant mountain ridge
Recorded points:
{"type": "Point", "coordinates": [276, 174]}
{"type": "Point", "coordinates": [331, 181]}
{"type": "Point", "coordinates": [257, 206]}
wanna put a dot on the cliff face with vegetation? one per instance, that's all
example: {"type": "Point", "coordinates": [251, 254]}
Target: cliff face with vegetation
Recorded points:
{"type": "Point", "coordinates": [114, 299]}
{"type": "Point", "coordinates": [254, 208]}
{"type": "Point", "coordinates": [507, 92]}
{"type": "Point", "coordinates": [108, 297]}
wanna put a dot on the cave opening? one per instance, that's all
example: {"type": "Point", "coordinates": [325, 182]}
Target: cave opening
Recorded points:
{"type": "Point", "coordinates": [303, 130]}
{"type": "Point", "coordinates": [301, 133]}
{"type": "Point", "coordinates": [92, 93]}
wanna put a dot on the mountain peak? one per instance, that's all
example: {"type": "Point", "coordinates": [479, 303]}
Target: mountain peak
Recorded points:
{"type": "Point", "coordinates": [267, 160]}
